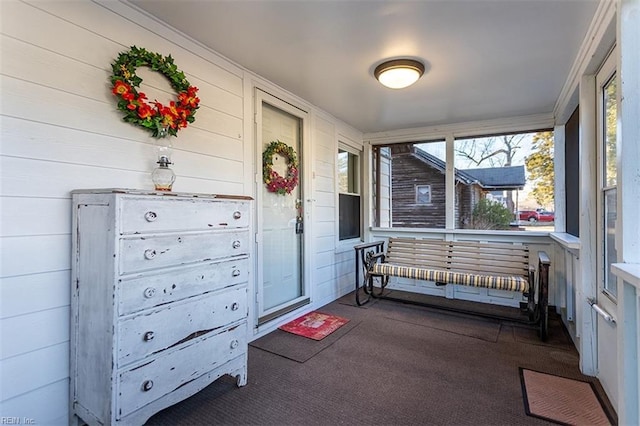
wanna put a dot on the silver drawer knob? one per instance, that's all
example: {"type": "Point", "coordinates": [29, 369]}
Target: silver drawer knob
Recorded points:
{"type": "Point", "coordinates": [149, 292]}
{"type": "Point", "coordinates": [236, 244]}
{"type": "Point", "coordinates": [149, 335]}
{"type": "Point", "coordinates": [147, 385]}
{"type": "Point", "coordinates": [150, 216]}
{"type": "Point", "coordinates": [235, 306]}
{"type": "Point", "coordinates": [149, 254]}
{"type": "Point", "coordinates": [234, 344]}
{"type": "Point", "coordinates": [235, 273]}
{"type": "Point", "coordinates": [237, 215]}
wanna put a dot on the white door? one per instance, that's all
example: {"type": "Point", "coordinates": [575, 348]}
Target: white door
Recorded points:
{"type": "Point", "coordinates": [279, 131]}
{"type": "Point", "coordinates": [606, 300]}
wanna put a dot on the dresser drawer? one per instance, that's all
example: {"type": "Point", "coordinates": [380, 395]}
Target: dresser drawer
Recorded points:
{"type": "Point", "coordinates": [159, 329]}
{"type": "Point", "coordinates": [141, 385]}
{"type": "Point", "coordinates": [142, 253]}
{"type": "Point", "coordinates": [152, 289]}
{"type": "Point", "coordinates": [150, 214]}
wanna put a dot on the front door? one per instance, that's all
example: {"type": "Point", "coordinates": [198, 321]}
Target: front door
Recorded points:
{"type": "Point", "coordinates": [279, 131]}
{"type": "Point", "coordinates": [606, 300]}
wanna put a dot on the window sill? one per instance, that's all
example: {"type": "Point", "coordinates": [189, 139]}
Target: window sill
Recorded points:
{"type": "Point", "coordinates": [568, 241]}
{"type": "Point", "coordinates": [457, 231]}
{"type": "Point", "coordinates": [629, 272]}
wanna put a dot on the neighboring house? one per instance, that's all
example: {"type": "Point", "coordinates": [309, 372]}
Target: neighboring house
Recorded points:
{"type": "Point", "coordinates": [500, 183]}
{"type": "Point", "coordinates": [418, 188]}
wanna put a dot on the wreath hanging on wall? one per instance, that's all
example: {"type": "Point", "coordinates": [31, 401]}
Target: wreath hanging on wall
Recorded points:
{"type": "Point", "coordinates": [274, 182]}
{"type": "Point", "coordinates": [161, 120]}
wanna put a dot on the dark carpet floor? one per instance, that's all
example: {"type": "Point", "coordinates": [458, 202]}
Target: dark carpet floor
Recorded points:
{"type": "Point", "coordinates": [398, 364]}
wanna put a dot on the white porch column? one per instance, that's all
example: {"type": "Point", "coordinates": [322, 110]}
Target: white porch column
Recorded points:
{"type": "Point", "coordinates": [450, 185]}
{"type": "Point", "coordinates": [587, 282]}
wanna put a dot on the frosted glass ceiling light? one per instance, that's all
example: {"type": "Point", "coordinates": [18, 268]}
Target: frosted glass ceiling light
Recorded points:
{"type": "Point", "coordinates": [399, 73]}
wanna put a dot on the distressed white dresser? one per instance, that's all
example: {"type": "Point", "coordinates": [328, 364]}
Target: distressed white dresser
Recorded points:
{"type": "Point", "coordinates": [159, 300]}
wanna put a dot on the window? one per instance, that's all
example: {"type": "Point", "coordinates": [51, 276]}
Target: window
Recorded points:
{"type": "Point", "coordinates": [349, 205]}
{"type": "Point", "coordinates": [409, 185]}
{"type": "Point", "coordinates": [505, 182]}
{"type": "Point", "coordinates": [423, 194]}
{"type": "Point", "coordinates": [495, 178]}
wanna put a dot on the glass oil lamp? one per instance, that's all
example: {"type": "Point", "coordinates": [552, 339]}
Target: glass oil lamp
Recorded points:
{"type": "Point", "coordinates": [163, 177]}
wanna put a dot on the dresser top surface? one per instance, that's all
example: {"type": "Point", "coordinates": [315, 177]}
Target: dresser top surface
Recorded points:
{"type": "Point", "coordinates": [168, 194]}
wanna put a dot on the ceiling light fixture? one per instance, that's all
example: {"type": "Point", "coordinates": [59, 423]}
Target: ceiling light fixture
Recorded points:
{"type": "Point", "coordinates": [399, 73]}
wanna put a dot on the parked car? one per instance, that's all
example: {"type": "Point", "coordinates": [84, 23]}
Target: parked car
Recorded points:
{"type": "Point", "coordinates": [545, 216]}
{"type": "Point", "coordinates": [536, 216]}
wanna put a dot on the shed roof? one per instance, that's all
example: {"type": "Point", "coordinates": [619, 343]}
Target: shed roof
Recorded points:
{"type": "Point", "coordinates": [491, 178]}
{"type": "Point", "coordinates": [511, 177]}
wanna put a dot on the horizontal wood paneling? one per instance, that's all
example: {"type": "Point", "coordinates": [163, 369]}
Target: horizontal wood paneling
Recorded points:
{"type": "Point", "coordinates": [324, 214]}
{"type": "Point", "coordinates": [325, 154]}
{"type": "Point", "coordinates": [34, 370]}
{"type": "Point", "coordinates": [47, 179]}
{"type": "Point", "coordinates": [324, 184]}
{"type": "Point", "coordinates": [34, 255]}
{"type": "Point", "coordinates": [28, 139]}
{"type": "Point", "coordinates": [20, 216]}
{"type": "Point", "coordinates": [48, 405]}
{"type": "Point", "coordinates": [30, 332]}
{"type": "Point", "coordinates": [325, 199]}
{"type": "Point", "coordinates": [324, 169]}
{"type": "Point", "coordinates": [36, 292]}
{"type": "Point", "coordinates": [324, 229]}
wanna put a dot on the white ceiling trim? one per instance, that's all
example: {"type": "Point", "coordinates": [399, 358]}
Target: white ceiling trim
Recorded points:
{"type": "Point", "coordinates": [460, 130]}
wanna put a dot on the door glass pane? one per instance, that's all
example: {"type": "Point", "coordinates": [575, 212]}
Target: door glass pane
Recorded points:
{"type": "Point", "coordinates": [609, 175]}
{"type": "Point", "coordinates": [610, 212]}
{"type": "Point", "coordinates": [610, 129]}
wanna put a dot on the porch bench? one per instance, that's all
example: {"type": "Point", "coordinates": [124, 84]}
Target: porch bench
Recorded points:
{"type": "Point", "coordinates": [499, 266]}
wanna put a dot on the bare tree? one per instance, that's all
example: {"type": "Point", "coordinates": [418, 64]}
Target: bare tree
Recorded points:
{"type": "Point", "coordinates": [497, 151]}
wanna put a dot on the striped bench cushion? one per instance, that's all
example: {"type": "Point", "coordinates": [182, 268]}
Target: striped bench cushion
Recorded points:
{"type": "Point", "coordinates": [513, 283]}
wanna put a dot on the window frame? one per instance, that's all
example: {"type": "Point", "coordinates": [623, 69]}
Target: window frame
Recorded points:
{"type": "Point", "coordinates": [448, 135]}
{"type": "Point", "coordinates": [417, 189]}
{"type": "Point", "coordinates": [358, 180]}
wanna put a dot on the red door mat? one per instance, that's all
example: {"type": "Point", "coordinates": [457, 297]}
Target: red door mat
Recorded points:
{"type": "Point", "coordinates": [314, 325]}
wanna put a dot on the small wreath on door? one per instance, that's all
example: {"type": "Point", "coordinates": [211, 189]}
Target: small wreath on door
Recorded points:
{"type": "Point", "coordinates": [273, 180]}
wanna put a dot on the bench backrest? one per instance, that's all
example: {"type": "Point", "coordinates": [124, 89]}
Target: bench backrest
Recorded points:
{"type": "Point", "coordinates": [460, 256]}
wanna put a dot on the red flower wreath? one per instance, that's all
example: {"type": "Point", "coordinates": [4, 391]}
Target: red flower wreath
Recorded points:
{"type": "Point", "coordinates": [161, 120]}
{"type": "Point", "coordinates": [275, 183]}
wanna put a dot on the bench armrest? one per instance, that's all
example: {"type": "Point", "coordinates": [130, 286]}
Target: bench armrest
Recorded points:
{"type": "Point", "coordinates": [543, 258]}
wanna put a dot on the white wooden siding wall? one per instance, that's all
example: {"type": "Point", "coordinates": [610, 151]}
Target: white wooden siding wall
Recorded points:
{"type": "Point", "coordinates": [324, 207]}
{"type": "Point", "coordinates": [61, 131]}
{"type": "Point", "coordinates": [345, 254]}
{"type": "Point", "coordinates": [334, 273]}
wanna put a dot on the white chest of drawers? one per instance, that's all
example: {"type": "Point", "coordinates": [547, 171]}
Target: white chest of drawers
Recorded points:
{"type": "Point", "coordinates": [159, 300]}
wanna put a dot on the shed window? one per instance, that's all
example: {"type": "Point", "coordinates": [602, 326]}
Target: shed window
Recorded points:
{"type": "Point", "coordinates": [423, 194]}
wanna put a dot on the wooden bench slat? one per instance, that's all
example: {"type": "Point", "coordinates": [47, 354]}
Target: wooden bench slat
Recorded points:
{"type": "Point", "coordinates": [488, 245]}
{"type": "Point", "coordinates": [414, 257]}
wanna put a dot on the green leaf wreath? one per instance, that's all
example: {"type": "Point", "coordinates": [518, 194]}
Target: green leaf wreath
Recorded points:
{"type": "Point", "coordinates": [161, 120]}
{"type": "Point", "coordinates": [275, 183]}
